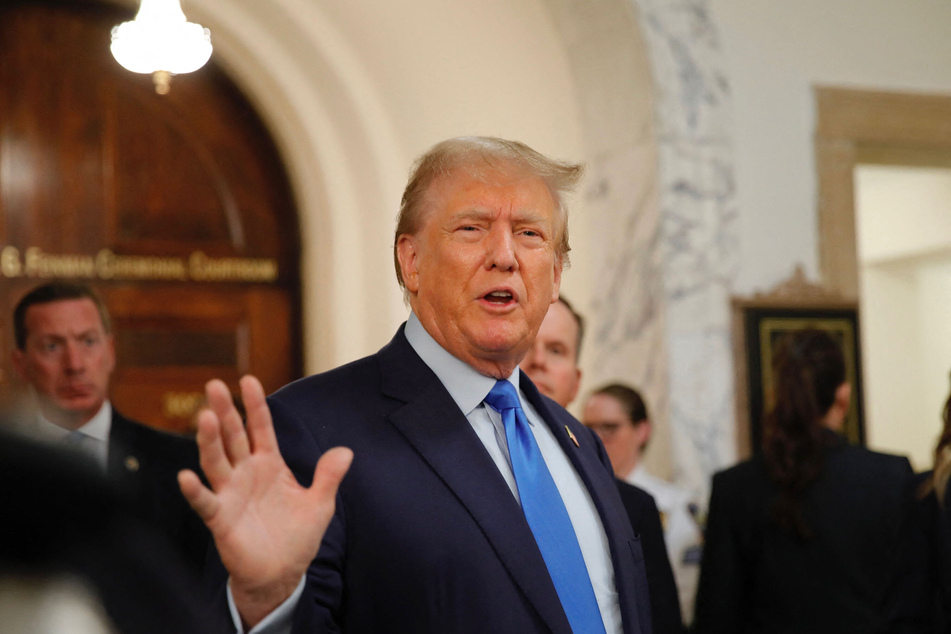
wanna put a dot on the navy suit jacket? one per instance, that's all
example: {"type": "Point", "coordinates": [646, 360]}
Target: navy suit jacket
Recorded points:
{"type": "Point", "coordinates": [427, 536]}
{"type": "Point", "coordinates": [144, 463]}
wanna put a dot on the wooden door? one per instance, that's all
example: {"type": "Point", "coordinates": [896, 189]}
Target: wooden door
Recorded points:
{"type": "Point", "coordinates": [175, 207]}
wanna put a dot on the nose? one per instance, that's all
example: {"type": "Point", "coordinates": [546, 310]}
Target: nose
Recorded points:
{"type": "Point", "coordinates": [501, 249]}
{"type": "Point", "coordinates": [535, 356]}
{"type": "Point", "coordinates": [73, 358]}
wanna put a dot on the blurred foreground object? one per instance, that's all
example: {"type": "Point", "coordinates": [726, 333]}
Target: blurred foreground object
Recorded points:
{"type": "Point", "coordinates": [64, 523]}
{"type": "Point", "coordinates": [37, 605]}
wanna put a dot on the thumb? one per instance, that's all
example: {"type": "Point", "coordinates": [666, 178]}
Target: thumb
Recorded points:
{"type": "Point", "coordinates": [329, 473]}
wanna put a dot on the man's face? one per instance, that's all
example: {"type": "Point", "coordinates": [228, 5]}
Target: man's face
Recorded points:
{"type": "Point", "coordinates": [482, 270]}
{"type": "Point", "coordinates": [621, 437]}
{"type": "Point", "coordinates": [552, 361]}
{"type": "Point", "coordinates": [68, 359]}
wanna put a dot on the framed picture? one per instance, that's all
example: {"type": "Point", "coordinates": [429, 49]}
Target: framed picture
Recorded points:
{"type": "Point", "coordinates": [758, 326]}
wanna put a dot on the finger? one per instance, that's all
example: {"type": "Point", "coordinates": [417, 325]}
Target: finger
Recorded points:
{"type": "Point", "coordinates": [198, 496]}
{"type": "Point", "coordinates": [235, 438]}
{"type": "Point", "coordinates": [260, 425]}
{"type": "Point", "coordinates": [211, 452]}
{"type": "Point", "coordinates": [329, 473]}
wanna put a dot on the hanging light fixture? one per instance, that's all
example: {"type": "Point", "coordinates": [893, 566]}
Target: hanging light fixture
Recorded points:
{"type": "Point", "coordinates": [161, 42]}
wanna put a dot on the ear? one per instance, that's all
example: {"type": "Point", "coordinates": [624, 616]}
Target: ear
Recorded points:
{"type": "Point", "coordinates": [642, 432]}
{"type": "Point", "coordinates": [407, 251]}
{"type": "Point", "coordinates": [557, 279]}
{"type": "Point", "coordinates": [843, 397]}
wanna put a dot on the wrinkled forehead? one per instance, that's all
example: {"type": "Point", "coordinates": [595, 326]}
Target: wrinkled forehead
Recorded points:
{"type": "Point", "coordinates": [444, 185]}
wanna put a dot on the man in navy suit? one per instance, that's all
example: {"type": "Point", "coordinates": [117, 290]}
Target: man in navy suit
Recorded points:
{"type": "Point", "coordinates": [65, 353]}
{"type": "Point", "coordinates": [427, 532]}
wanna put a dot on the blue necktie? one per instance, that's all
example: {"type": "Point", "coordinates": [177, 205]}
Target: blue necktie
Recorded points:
{"type": "Point", "coordinates": [546, 514]}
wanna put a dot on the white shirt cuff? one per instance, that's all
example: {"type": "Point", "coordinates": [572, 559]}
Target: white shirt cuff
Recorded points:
{"type": "Point", "coordinates": [277, 622]}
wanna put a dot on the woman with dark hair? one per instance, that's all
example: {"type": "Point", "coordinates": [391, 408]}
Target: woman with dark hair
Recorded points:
{"type": "Point", "coordinates": [812, 534]}
{"type": "Point", "coordinates": [934, 512]}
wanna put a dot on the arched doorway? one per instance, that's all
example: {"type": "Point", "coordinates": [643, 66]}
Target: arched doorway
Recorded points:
{"type": "Point", "coordinates": [176, 208]}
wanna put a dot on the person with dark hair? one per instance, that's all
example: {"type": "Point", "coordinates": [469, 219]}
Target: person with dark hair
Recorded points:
{"type": "Point", "coordinates": [473, 503]}
{"type": "Point", "coordinates": [552, 365]}
{"type": "Point", "coordinates": [812, 534]}
{"type": "Point", "coordinates": [618, 414]}
{"type": "Point", "coordinates": [65, 354]}
{"type": "Point", "coordinates": [934, 522]}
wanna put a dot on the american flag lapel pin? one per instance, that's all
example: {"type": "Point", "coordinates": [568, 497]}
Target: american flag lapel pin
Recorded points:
{"type": "Point", "coordinates": [572, 436]}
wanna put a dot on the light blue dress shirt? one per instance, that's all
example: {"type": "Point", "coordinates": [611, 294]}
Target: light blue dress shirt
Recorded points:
{"type": "Point", "coordinates": [94, 434]}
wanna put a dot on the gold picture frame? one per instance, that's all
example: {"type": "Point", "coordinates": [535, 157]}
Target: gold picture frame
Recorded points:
{"type": "Point", "coordinates": [759, 324]}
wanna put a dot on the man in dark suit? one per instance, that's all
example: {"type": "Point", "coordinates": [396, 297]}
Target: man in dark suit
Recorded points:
{"type": "Point", "coordinates": [435, 527]}
{"type": "Point", "coordinates": [552, 365]}
{"type": "Point", "coordinates": [65, 353]}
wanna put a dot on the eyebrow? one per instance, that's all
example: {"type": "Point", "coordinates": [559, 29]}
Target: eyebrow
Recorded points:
{"type": "Point", "coordinates": [472, 214]}
{"type": "Point", "coordinates": [56, 335]}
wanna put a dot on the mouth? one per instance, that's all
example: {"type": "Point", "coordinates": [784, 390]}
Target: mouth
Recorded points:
{"type": "Point", "coordinates": [75, 391]}
{"type": "Point", "coordinates": [502, 297]}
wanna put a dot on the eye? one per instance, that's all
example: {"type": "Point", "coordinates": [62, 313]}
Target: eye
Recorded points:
{"type": "Point", "coordinates": [50, 346]}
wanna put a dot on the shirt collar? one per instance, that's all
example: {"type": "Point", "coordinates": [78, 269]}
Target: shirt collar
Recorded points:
{"type": "Point", "coordinates": [97, 427]}
{"type": "Point", "coordinates": [466, 385]}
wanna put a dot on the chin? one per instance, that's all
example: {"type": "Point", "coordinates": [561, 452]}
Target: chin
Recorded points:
{"type": "Point", "coordinates": [79, 407]}
{"type": "Point", "coordinates": [505, 345]}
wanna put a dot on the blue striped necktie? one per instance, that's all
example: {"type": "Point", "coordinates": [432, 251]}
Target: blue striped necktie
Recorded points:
{"type": "Point", "coordinates": [546, 514]}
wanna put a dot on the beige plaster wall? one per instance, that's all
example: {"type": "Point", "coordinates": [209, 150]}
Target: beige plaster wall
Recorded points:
{"type": "Point", "coordinates": [353, 91]}
{"type": "Point", "coordinates": [776, 53]}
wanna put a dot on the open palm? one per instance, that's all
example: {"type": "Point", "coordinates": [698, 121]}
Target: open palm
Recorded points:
{"type": "Point", "coordinates": [267, 527]}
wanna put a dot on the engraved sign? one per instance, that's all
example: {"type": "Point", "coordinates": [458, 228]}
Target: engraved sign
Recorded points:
{"type": "Point", "coordinates": [107, 265]}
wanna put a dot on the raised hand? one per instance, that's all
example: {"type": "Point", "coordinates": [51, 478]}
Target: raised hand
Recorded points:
{"type": "Point", "coordinates": [267, 527]}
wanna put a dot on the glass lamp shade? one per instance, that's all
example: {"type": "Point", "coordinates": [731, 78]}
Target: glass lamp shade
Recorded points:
{"type": "Point", "coordinates": [161, 39]}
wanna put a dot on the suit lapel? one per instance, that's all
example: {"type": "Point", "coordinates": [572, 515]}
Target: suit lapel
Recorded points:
{"type": "Point", "coordinates": [578, 444]}
{"type": "Point", "coordinates": [123, 464]}
{"type": "Point", "coordinates": [431, 421]}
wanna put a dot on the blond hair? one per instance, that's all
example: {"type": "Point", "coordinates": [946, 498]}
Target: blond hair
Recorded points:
{"type": "Point", "coordinates": [478, 155]}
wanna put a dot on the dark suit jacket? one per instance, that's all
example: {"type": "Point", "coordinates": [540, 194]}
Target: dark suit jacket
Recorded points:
{"type": "Point", "coordinates": [645, 520]}
{"type": "Point", "coordinates": [427, 536]}
{"type": "Point", "coordinates": [144, 463]}
{"type": "Point", "coordinates": [756, 577]}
